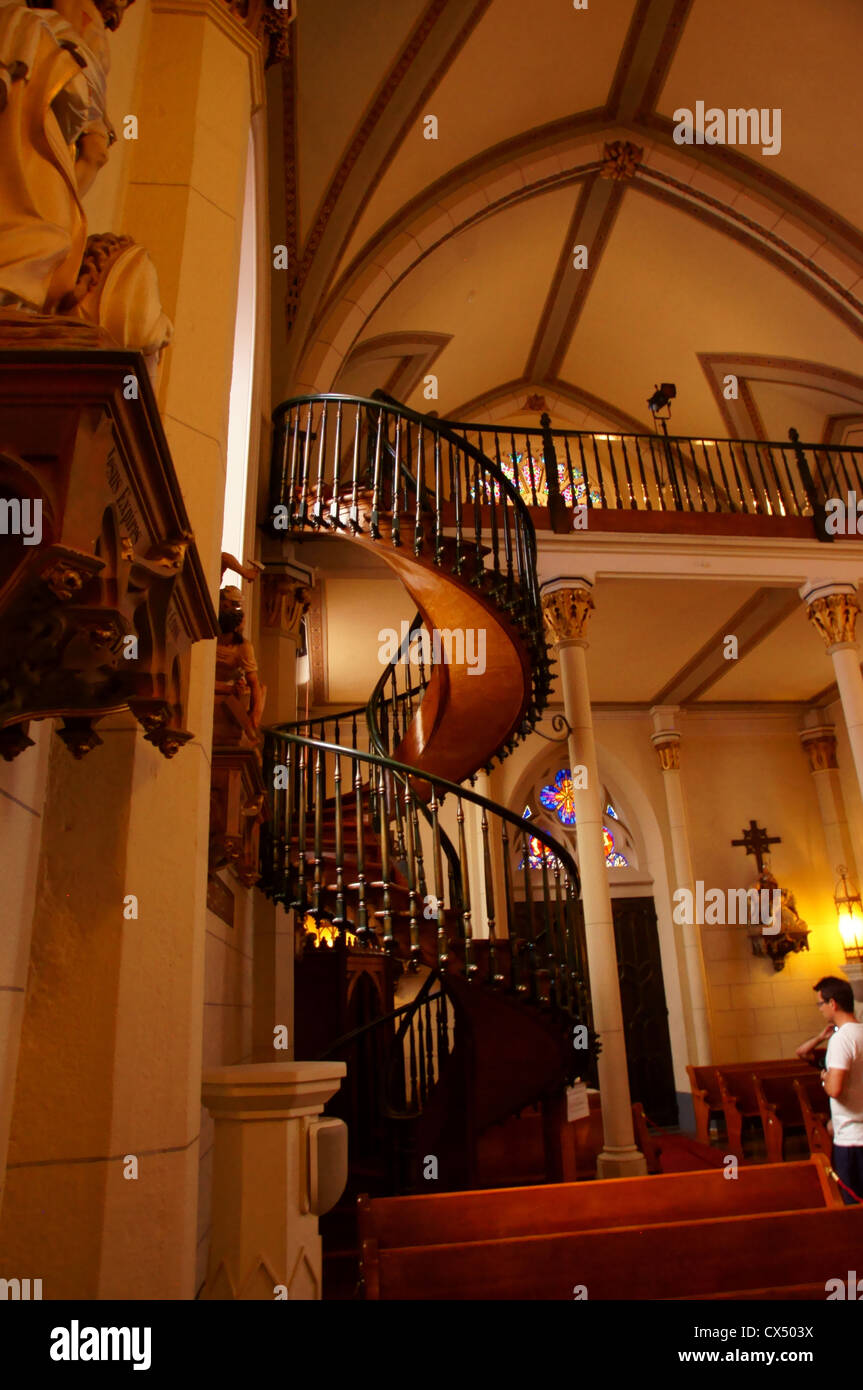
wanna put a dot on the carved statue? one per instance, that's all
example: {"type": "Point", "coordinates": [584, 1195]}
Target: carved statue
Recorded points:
{"type": "Point", "coordinates": [55, 135]}
{"type": "Point", "coordinates": [236, 665]}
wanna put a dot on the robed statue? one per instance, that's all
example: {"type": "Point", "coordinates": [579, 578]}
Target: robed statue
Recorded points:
{"type": "Point", "coordinates": [55, 135]}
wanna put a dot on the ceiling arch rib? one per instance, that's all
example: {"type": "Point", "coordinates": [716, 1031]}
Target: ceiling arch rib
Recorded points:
{"type": "Point", "coordinates": [464, 201]}
{"type": "Point", "coordinates": [436, 39]}
{"type": "Point", "coordinates": [839, 392]}
{"type": "Point", "coordinates": [563, 401]}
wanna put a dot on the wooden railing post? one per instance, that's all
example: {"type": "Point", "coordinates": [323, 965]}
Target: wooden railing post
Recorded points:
{"type": "Point", "coordinates": [558, 514]}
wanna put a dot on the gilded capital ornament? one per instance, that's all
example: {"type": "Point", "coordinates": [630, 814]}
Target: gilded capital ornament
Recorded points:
{"type": "Point", "coordinates": [835, 617]}
{"type": "Point", "coordinates": [668, 752]}
{"type": "Point", "coordinates": [566, 612]}
{"type": "Point", "coordinates": [820, 745]}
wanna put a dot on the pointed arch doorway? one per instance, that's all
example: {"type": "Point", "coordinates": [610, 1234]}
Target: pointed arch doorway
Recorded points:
{"type": "Point", "coordinates": [547, 801]}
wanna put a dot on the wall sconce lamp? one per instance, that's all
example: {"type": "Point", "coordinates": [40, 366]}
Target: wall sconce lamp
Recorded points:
{"type": "Point", "coordinates": [849, 910]}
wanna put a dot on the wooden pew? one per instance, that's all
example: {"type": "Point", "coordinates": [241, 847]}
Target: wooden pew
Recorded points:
{"type": "Point", "coordinates": [779, 1106]}
{"type": "Point", "coordinates": [739, 1095]}
{"type": "Point", "coordinates": [816, 1113]}
{"type": "Point", "coordinates": [764, 1254]}
{"type": "Point", "coordinates": [449, 1217]}
{"type": "Point", "coordinates": [704, 1082]}
{"type": "Point", "coordinates": [650, 1147]}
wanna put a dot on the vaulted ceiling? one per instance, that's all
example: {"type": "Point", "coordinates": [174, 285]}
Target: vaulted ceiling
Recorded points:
{"type": "Point", "coordinates": [454, 255]}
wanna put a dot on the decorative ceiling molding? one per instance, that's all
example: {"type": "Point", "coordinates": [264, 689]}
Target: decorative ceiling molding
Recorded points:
{"type": "Point", "coordinates": [436, 40]}
{"type": "Point", "coordinates": [646, 56]}
{"type": "Point", "coordinates": [509, 399]}
{"type": "Point", "coordinates": [751, 624]}
{"type": "Point", "coordinates": [591, 224]}
{"type": "Point", "coordinates": [363, 289]}
{"type": "Point", "coordinates": [742, 417]}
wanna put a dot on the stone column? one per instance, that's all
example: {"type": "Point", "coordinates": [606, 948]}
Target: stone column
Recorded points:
{"type": "Point", "coordinates": [833, 610]}
{"type": "Point", "coordinates": [271, 1179]}
{"type": "Point", "coordinates": [567, 604]}
{"type": "Point", "coordinates": [819, 740]}
{"type": "Point", "coordinates": [666, 741]}
{"type": "Point", "coordinates": [102, 1185]}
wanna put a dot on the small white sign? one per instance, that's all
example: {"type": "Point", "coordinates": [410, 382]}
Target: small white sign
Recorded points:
{"type": "Point", "coordinates": [577, 1103]}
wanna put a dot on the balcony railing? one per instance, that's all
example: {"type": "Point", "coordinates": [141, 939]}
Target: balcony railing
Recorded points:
{"type": "Point", "coordinates": [668, 473]}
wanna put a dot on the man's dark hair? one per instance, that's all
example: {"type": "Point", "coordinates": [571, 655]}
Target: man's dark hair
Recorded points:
{"type": "Point", "coordinates": [832, 987]}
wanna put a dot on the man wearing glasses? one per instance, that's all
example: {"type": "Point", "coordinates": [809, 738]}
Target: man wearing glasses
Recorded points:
{"type": "Point", "coordinates": [842, 1079]}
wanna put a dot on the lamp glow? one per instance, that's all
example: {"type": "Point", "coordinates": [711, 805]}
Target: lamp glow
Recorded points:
{"type": "Point", "coordinates": [849, 912]}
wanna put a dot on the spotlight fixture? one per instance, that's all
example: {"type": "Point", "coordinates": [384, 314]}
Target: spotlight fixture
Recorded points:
{"type": "Point", "coordinates": [662, 397]}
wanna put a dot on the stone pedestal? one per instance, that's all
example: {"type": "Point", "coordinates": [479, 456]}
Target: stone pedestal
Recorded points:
{"type": "Point", "coordinates": [269, 1184]}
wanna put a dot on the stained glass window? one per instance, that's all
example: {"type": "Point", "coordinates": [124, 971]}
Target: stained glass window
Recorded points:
{"type": "Point", "coordinates": [536, 849]}
{"type": "Point", "coordinates": [517, 468]}
{"type": "Point", "coordinates": [558, 797]}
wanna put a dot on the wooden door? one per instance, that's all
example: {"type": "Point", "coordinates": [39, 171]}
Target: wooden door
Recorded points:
{"type": "Point", "coordinates": [645, 1015]}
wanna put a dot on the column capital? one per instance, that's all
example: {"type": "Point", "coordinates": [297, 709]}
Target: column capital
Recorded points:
{"type": "Point", "coordinates": [832, 609]}
{"type": "Point", "coordinates": [566, 606]}
{"type": "Point", "coordinates": [820, 746]}
{"type": "Point", "coordinates": [665, 719]}
{"type": "Point", "coordinates": [667, 745]}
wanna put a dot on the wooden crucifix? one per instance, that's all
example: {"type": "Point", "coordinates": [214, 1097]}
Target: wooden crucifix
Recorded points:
{"type": "Point", "coordinates": [756, 841]}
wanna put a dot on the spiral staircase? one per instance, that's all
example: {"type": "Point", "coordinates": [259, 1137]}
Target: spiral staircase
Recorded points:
{"type": "Point", "coordinates": [367, 837]}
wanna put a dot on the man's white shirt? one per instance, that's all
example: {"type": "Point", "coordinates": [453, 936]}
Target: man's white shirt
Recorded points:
{"type": "Point", "coordinates": [845, 1051]}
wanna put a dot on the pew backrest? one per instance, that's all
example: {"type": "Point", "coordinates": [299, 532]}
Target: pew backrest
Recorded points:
{"type": "Point", "coordinates": [448, 1217]}
{"type": "Point", "coordinates": [666, 1261]}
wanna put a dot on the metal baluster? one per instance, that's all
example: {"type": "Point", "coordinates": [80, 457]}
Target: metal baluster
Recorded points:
{"type": "Point", "coordinates": [413, 908]}
{"type": "Point", "coordinates": [422, 886]}
{"type": "Point", "coordinates": [374, 528]}
{"type": "Point", "coordinates": [549, 974]}
{"type": "Point", "coordinates": [420, 494]}
{"type": "Point", "coordinates": [427, 1019]}
{"type": "Point", "coordinates": [467, 928]}
{"type": "Point", "coordinates": [295, 449]}
{"type": "Point", "coordinates": [477, 525]}
{"type": "Point", "coordinates": [318, 508]}
{"type": "Point", "coordinates": [438, 504]}
{"type": "Point", "coordinates": [674, 449]}
{"type": "Point", "coordinates": [573, 500]}
{"type": "Point", "coordinates": [412, 1065]}
{"type": "Point", "coordinates": [743, 503]}
{"type": "Point", "coordinates": [613, 472]}
{"type": "Point", "coordinates": [657, 472]}
{"type": "Point", "coordinates": [598, 471]}
{"type": "Point", "coordinates": [495, 978]}
{"type": "Point", "coordinates": [632, 501]}
{"type": "Point", "coordinates": [511, 933]}
{"type": "Point", "coordinates": [384, 831]}
{"type": "Point", "coordinates": [708, 468]}
{"type": "Point", "coordinates": [302, 519]}
{"type": "Point", "coordinates": [396, 522]}
{"type": "Point", "coordinates": [696, 475]}
{"type": "Point", "coordinates": [648, 505]}
{"type": "Point", "coordinates": [339, 916]}
{"type": "Point", "coordinates": [337, 454]}
{"type": "Point", "coordinates": [725, 483]}
{"type": "Point", "coordinates": [455, 468]}
{"type": "Point", "coordinates": [360, 885]}
{"type": "Point", "coordinates": [563, 953]}
{"type": "Point", "coordinates": [442, 942]}
{"type": "Point", "coordinates": [354, 514]}
{"type": "Point", "coordinates": [285, 844]}
{"type": "Point", "coordinates": [301, 825]}
{"type": "Point", "coordinates": [417, 1023]}
{"type": "Point", "coordinates": [320, 784]}
{"type": "Point", "coordinates": [531, 920]}
{"type": "Point", "coordinates": [507, 533]}
{"type": "Point", "coordinates": [757, 491]}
